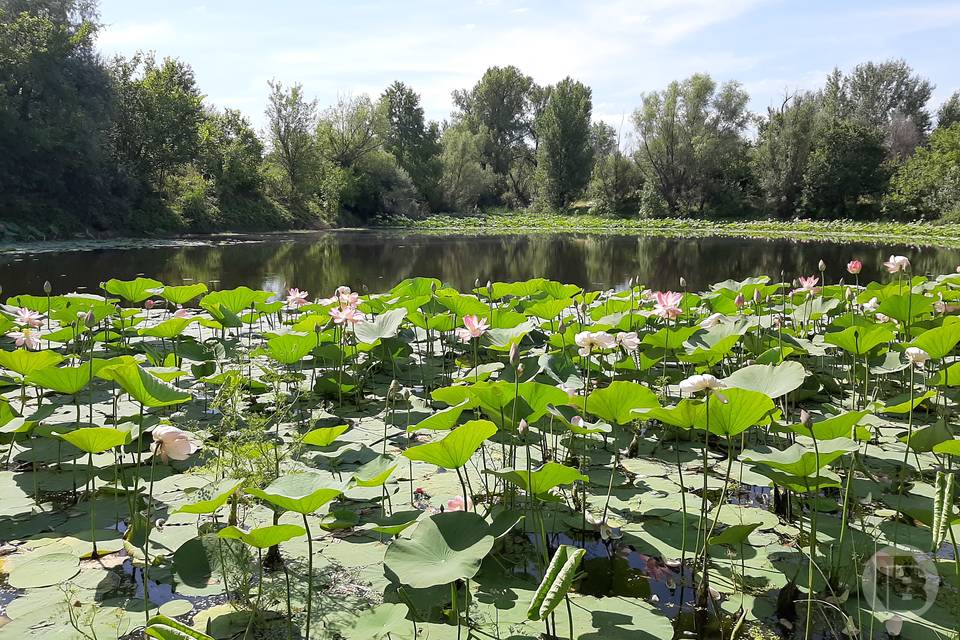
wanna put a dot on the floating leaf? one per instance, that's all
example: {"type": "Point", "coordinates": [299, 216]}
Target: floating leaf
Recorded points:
{"type": "Point", "coordinates": [442, 549]}
{"type": "Point", "coordinates": [43, 570]}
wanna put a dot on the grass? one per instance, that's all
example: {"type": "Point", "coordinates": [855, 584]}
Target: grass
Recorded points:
{"type": "Point", "coordinates": [914, 233]}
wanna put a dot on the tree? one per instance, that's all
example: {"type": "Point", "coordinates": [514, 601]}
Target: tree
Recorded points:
{"type": "Point", "coordinates": [616, 180]}
{"type": "Point", "coordinates": [348, 130]}
{"type": "Point", "coordinates": [949, 112]}
{"type": "Point", "coordinates": [231, 152]}
{"type": "Point", "coordinates": [845, 173]}
{"type": "Point", "coordinates": [500, 109]}
{"type": "Point", "coordinates": [465, 181]}
{"type": "Point", "coordinates": [565, 154]}
{"type": "Point", "coordinates": [55, 104]}
{"type": "Point", "coordinates": [414, 143]}
{"type": "Point", "coordinates": [291, 120]}
{"type": "Point", "coordinates": [785, 140]}
{"type": "Point", "coordinates": [158, 116]}
{"type": "Point", "coordinates": [927, 185]}
{"type": "Point", "coordinates": [691, 144]}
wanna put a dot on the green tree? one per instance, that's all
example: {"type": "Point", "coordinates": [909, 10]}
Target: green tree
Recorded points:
{"type": "Point", "coordinates": [949, 112]}
{"type": "Point", "coordinates": [786, 138]}
{"type": "Point", "coordinates": [348, 130]}
{"type": "Point", "coordinates": [55, 104]}
{"type": "Point", "coordinates": [927, 185]}
{"type": "Point", "coordinates": [231, 152]}
{"type": "Point", "coordinates": [616, 180]}
{"type": "Point", "coordinates": [565, 154]}
{"type": "Point", "coordinates": [465, 180]}
{"type": "Point", "coordinates": [691, 144]}
{"type": "Point", "coordinates": [414, 143]}
{"type": "Point", "coordinates": [845, 173]}
{"type": "Point", "coordinates": [291, 120]}
{"type": "Point", "coordinates": [158, 116]}
{"type": "Point", "coordinates": [500, 108]}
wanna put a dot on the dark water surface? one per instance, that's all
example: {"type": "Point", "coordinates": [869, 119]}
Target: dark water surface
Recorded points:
{"type": "Point", "coordinates": [320, 261]}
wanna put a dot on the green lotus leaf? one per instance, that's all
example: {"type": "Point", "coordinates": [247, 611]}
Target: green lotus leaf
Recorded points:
{"type": "Point", "coordinates": [376, 472]}
{"type": "Point", "coordinates": [456, 448]}
{"type": "Point", "coordinates": [166, 628]}
{"type": "Point", "coordinates": [939, 342]}
{"type": "Point", "coordinates": [743, 409]}
{"type": "Point", "coordinates": [682, 415]}
{"type": "Point", "coordinates": [43, 569]}
{"type": "Point", "coordinates": [949, 447]}
{"type": "Point", "coordinates": [212, 497]}
{"type": "Point", "coordinates": [734, 535]}
{"type": "Point", "coordinates": [184, 293]}
{"type": "Point", "coordinates": [445, 418]}
{"type": "Point", "coordinates": [290, 348]}
{"type": "Point", "coordinates": [68, 380]}
{"type": "Point", "coordinates": [143, 387]}
{"type": "Point", "coordinates": [840, 426]}
{"type": "Point", "coordinates": [548, 309]}
{"type": "Point", "coordinates": [136, 290]}
{"type": "Point", "coordinates": [393, 524]}
{"type": "Point", "coordinates": [904, 404]}
{"type": "Point", "coordinates": [233, 301]}
{"type": "Point", "coordinates": [383, 326]}
{"type": "Point", "coordinates": [772, 380]}
{"type": "Point", "coordinates": [96, 439]}
{"type": "Point", "coordinates": [860, 339]}
{"type": "Point", "coordinates": [384, 621]}
{"type": "Point", "coordinates": [462, 305]}
{"type": "Point", "coordinates": [263, 537]}
{"type": "Point", "coordinates": [26, 362]}
{"type": "Point", "coordinates": [927, 438]}
{"type": "Point", "coordinates": [802, 460]}
{"type": "Point", "coordinates": [616, 402]}
{"type": "Point", "coordinates": [569, 417]}
{"type": "Point", "coordinates": [906, 307]}
{"type": "Point", "coordinates": [300, 492]}
{"type": "Point", "coordinates": [324, 436]}
{"type": "Point", "coordinates": [541, 480]}
{"type": "Point", "coordinates": [168, 329]}
{"type": "Point", "coordinates": [556, 581]}
{"type": "Point", "coordinates": [443, 548]}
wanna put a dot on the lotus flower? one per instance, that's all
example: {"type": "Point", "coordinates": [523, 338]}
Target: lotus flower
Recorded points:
{"type": "Point", "coordinates": [457, 504]}
{"type": "Point", "coordinates": [173, 443]}
{"type": "Point", "coordinates": [28, 318]}
{"type": "Point", "coordinates": [297, 298]}
{"type": "Point", "coordinates": [808, 284]}
{"type": "Point", "coordinates": [739, 301]}
{"type": "Point", "coordinates": [473, 327]}
{"type": "Point", "coordinates": [26, 337]}
{"type": "Point", "coordinates": [667, 304]}
{"type": "Point", "coordinates": [181, 312]}
{"type": "Point", "coordinates": [711, 320]}
{"type": "Point", "coordinates": [871, 305]}
{"type": "Point", "coordinates": [346, 316]}
{"type": "Point", "coordinates": [854, 267]}
{"type": "Point", "coordinates": [916, 355]}
{"type": "Point", "coordinates": [590, 340]}
{"type": "Point", "coordinates": [894, 625]}
{"type": "Point", "coordinates": [629, 341]}
{"type": "Point", "coordinates": [149, 304]}
{"type": "Point", "coordinates": [896, 264]}
{"type": "Point", "coordinates": [700, 382]}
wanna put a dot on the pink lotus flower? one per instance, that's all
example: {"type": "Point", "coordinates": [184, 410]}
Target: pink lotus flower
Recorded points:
{"type": "Point", "coordinates": [347, 298]}
{"type": "Point", "coordinates": [739, 301]}
{"type": "Point", "coordinates": [667, 304]}
{"type": "Point", "coordinates": [182, 313]}
{"type": "Point", "coordinates": [28, 318]}
{"type": "Point", "coordinates": [808, 284]}
{"type": "Point", "coordinates": [26, 337]}
{"type": "Point", "coordinates": [473, 327]}
{"type": "Point", "coordinates": [173, 443]}
{"type": "Point", "coordinates": [457, 504]}
{"type": "Point", "coordinates": [854, 267]}
{"type": "Point", "coordinates": [149, 304]}
{"type": "Point", "coordinates": [896, 264]}
{"type": "Point", "coordinates": [590, 340]}
{"type": "Point", "coordinates": [297, 298]}
{"type": "Point", "coordinates": [350, 316]}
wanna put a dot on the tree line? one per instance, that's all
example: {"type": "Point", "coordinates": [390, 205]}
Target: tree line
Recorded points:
{"type": "Point", "coordinates": [132, 144]}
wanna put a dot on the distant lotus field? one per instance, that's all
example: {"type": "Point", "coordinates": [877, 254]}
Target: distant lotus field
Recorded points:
{"type": "Point", "coordinates": [769, 458]}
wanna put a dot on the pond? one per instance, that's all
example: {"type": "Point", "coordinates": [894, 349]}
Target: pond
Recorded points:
{"type": "Point", "coordinates": [320, 261]}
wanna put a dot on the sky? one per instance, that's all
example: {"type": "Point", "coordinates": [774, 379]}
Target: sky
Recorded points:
{"type": "Point", "coordinates": [620, 48]}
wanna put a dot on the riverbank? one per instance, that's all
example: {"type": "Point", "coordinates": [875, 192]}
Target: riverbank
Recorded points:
{"type": "Point", "coordinates": [913, 233]}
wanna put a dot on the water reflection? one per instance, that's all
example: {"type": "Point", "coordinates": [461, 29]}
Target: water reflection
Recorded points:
{"type": "Point", "coordinates": [379, 259]}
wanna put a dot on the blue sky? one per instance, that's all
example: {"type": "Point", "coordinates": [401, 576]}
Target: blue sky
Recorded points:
{"type": "Point", "coordinates": [620, 48]}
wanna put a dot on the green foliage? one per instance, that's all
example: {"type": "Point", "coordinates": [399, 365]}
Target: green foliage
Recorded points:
{"type": "Point", "coordinates": [564, 153]}
{"type": "Point", "coordinates": [927, 185]}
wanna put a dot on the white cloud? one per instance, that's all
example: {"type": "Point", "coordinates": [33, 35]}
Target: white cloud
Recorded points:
{"type": "Point", "coordinates": [133, 35]}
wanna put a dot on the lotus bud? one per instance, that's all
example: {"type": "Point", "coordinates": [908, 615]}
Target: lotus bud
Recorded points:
{"type": "Point", "coordinates": [822, 266]}
{"type": "Point", "coordinates": [630, 283]}
{"type": "Point", "coordinates": [392, 391]}
{"type": "Point", "coordinates": [756, 296]}
{"type": "Point", "coordinates": [683, 282]}
{"type": "Point", "coordinates": [522, 427]}
{"type": "Point", "coordinates": [958, 269]}
{"type": "Point", "coordinates": [476, 283]}
{"type": "Point", "coordinates": [739, 301]}
{"type": "Point", "coordinates": [805, 419]}
{"type": "Point", "coordinates": [520, 370]}
{"type": "Point", "coordinates": [894, 625]}
{"type": "Point", "coordinates": [90, 320]}
{"type": "Point", "coordinates": [433, 287]}
{"type": "Point", "coordinates": [514, 354]}
{"type": "Point", "coordinates": [149, 304]}
{"type": "Point", "coordinates": [854, 267]}
{"type": "Point", "coordinates": [47, 287]}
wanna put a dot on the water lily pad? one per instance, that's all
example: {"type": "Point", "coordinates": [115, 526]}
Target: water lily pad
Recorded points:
{"type": "Point", "coordinates": [443, 548]}
{"type": "Point", "coordinates": [44, 570]}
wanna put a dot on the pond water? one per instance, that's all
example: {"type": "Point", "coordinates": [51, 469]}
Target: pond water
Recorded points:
{"type": "Point", "coordinates": [320, 261]}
